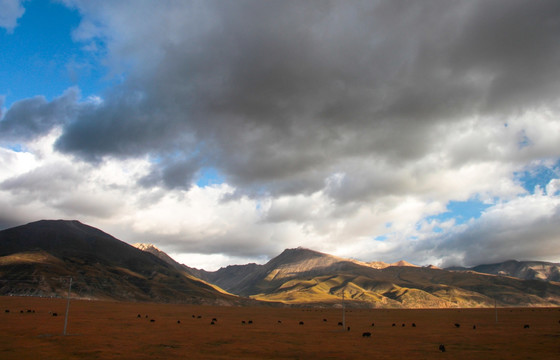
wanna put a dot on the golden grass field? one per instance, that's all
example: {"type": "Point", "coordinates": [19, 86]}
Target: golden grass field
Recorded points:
{"type": "Point", "coordinates": [112, 330]}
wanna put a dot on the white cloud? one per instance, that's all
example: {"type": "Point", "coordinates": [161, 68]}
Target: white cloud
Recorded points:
{"type": "Point", "coordinates": [12, 10]}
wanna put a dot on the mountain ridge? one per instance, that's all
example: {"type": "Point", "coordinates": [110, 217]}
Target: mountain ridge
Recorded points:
{"type": "Point", "coordinates": [34, 257]}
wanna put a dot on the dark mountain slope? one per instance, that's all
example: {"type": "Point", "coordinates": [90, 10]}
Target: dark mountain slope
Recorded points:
{"type": "Point", "coordinates": [37, 259]}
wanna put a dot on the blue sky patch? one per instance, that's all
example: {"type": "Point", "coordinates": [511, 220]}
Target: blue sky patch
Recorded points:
{"type": "Point", "coordinates": [461, 211]}
{"type": "Point", "coordinates": [539, 176]}
{"type": "Point", "coordinates": [17, 148]}
{"type": "Point", "coordinates": [209, 176]}
{"type": "Point", "coordinates": [381, 238]}
{"type": "Point", "coordinates": [41, 49]}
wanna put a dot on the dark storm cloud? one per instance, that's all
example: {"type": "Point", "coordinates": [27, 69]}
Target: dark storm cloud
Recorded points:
{"type": "Point", "coordinates": [279, 95]}
{"type": "Point", "coordinates": [171, 173]}
{"type": "Point", "coordinates": [275, 91]}
{"type": "Point", "coordinates": [33, 117]}
{"type": "Point", "coordinates": [515, 44]}
{"type": "Point", "coordinates": [122, 126]}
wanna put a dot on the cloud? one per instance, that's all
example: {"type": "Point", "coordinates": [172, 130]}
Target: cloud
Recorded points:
{"type": "Point", "coordinates": [330, 124]}
{"type": "Point", "coordinates": [523, 229]}
{"type": "Point", "coordinates": [280, 95]}
{"type": "Point", "coordinates": [31, 118]}
{"type": "Point", "coordinates": [12, 10]}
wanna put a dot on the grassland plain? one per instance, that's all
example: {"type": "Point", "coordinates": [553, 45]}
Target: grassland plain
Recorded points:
{"type": "Point", "coordinates": [121, 330]}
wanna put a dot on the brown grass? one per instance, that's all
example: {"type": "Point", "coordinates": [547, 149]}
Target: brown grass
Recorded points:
{"type": "Point", "coordinates": [111, 330]}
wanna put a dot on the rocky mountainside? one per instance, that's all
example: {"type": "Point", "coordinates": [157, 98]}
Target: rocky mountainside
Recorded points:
{"type": "Point", "coordinates": [528, 270]}
{"type": "Point", "coordinates": [303, 276]}
{"type": "Point", "coordinates": [158, 253]}
{"type": "Point", "coordinates": [37, 259]}
{"type": "Point", "coordinates": [192, 272]}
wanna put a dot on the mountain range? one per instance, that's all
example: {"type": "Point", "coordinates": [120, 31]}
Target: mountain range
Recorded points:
{"type": "Point", "coordinates": [302, 276]}
{"type": "Point", "coordinates": [35, 256]}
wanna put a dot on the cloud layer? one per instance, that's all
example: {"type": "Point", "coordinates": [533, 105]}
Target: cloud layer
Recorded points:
{"type": "Point", "coordinates": [329, 123]}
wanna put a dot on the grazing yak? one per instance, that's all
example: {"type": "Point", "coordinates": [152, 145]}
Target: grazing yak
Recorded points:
{"type": "Point", "coordinates": [441, 348]}
{"type": "Point", "coordinates": [366, 334]}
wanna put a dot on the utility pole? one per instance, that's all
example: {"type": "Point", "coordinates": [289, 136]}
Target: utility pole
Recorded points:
{"type": "Point", "coordinates": [496, 310]}
{"type": "Point", "coordinates": [343, 313]}
{"type": "Point", "coordinates": [67, 306]}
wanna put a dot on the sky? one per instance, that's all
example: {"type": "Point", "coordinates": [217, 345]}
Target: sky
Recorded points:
{"type": "Point", "coordinates": [224, 132]}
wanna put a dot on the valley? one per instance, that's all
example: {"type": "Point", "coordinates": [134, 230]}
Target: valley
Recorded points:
{"type": "Point", "coordinates": [113, 330]}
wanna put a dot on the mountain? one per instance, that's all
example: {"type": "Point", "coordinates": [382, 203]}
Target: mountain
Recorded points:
{"type": "Point", "coordinates": [528, 270]}
{"type": "Point", "coordinates": [306, 277]}
{"type": "Point", "coordinates": [38, 258]}
{"type": "Point", "coordinates": [245, 280]}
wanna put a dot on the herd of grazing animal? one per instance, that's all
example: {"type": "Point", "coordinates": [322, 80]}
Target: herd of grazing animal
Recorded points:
{"type": "Point", "coordinates": [366, 334]}
{"type": "Point", "coordinates": [214, 320]}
